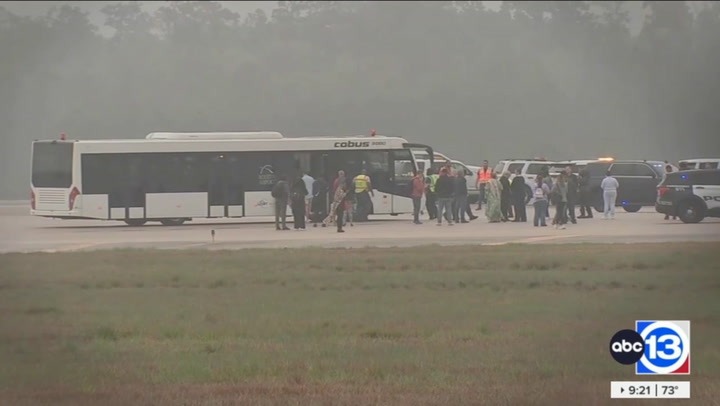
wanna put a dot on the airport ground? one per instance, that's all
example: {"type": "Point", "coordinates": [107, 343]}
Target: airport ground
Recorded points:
{"type": "Point", "coordinates": [209, 324]}
{"type": "Point", "coordinates": [24, 233]}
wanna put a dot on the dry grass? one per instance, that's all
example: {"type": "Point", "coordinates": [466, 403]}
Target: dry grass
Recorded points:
{"type": "Point", "coordinates": [522, 324]}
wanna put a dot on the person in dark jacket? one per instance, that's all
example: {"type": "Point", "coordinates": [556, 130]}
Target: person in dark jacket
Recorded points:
{"type": "Point", "coordinates": [505, 196]}
{"type": "Point", "coordinates": [319, 204]}
{"type": "Point", "coordinates": [281, 194]}
{"type": "Point", "coordinates": [298, 192]}
{"type": "Point", "coordinates": [518, 190]}
{"type": "Point", "coordinates": [584, 188]}
{"type": "Point", "coordinates": [444, 189]}
{"type": "Point", "coordinates": [460, 198]}
{"type": "Point", "coordinates": [572, 193]}
{"type": "Point", "coordinates": [430, 199]}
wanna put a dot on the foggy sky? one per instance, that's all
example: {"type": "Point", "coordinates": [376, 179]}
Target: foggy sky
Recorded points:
{"type": "Point", "coordinates": [493, 88]}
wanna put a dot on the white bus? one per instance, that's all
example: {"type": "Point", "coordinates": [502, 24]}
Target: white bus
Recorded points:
{"type": "Point", "coordinates": [175, 177]}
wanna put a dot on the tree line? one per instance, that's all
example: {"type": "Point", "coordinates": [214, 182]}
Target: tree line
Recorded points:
{"type": "Point", "coordinates": [556, 79]}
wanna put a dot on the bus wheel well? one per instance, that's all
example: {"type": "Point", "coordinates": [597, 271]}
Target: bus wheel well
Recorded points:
{"type": "Point", "coordinates": [173, 221]}
{"type": "Point", "coordinates": [135, 222]}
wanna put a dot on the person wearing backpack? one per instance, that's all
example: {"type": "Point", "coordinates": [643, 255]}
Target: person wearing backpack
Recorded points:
{"type": "Point", "coordinates": [540, 193]}
{"type": "Point", "coordinates": [281, 193]}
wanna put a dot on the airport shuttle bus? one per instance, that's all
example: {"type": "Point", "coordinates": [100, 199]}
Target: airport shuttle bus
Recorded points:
{"type": "Point", "coordinates": [175, 177]}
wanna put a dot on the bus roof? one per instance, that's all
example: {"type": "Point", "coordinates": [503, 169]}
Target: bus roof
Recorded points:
{"type": "Point", "coordinates": [215, 135]}
{"type": "Point", "coordinates": [238, 145]}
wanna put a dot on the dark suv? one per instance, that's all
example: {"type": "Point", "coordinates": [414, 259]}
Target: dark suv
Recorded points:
{"type": "Point", "coordinates": [691, 195]}
{"type": "Point", "coordinates": [638, 182]}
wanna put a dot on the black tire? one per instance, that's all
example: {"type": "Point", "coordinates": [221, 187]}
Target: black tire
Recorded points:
{"type": "Point", "coordinates": [691, 211]}
{"type": "Point", "coordinates": [172, 222]}
{"type": "Point", "coordinates": [135, 222]}
{"type": "Point", "coordinates": [528, 194]}
{"type": "Point", "coordinates": [632, 208]}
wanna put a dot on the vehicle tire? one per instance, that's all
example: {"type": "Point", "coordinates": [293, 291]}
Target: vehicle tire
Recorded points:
{"type": "Point", "coordinates": [135, 222]}
{"type": "Point", "coordinates": [528, 194]}
{"type": "Point", "coordinates": [691, 211]}
{"type": "Point", "coordinates": [172, 222]}
{"type": "Point", "coordinates": [632, 208]}
{"type": "Point", "coordinates": [599, 207]}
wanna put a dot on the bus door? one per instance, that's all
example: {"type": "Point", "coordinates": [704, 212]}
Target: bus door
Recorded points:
{"type": "Point", "coordinates": [402, 176]}
{"type": "Point", "coordinates": [377, 164]}
{"type": "Point", "coordinates": [225, 192]}
{"type": "Point", "coordinates": [126, 191]}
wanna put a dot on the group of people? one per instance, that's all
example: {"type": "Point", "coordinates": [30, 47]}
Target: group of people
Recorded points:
{"type": "Point", "coordinates": [308, 200]}
{"type": "Point", "coordinates": [446, 196]}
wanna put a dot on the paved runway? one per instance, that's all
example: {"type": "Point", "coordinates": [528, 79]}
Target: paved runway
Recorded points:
{"type": "Point", "coordinates": [21, 232]}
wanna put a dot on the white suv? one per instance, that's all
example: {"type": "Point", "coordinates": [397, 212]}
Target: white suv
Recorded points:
{"type": "Point", "coordinates": [529, 169]}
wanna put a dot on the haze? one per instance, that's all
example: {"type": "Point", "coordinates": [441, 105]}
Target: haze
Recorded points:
{"type": "Point", "coordinates": [525, 79]}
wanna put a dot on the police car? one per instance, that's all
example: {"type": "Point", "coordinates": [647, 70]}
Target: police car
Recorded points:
{"type": "Point", "coordinates": [691, 195]}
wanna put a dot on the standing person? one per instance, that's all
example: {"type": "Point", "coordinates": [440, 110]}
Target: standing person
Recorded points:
{"type": "Point", "coordinates": [339, 180]}
{"type": "Point", "coordinates": [363, 191]}
{"type": "Point", "coordinates": [584, 186]}
{"type": "Point", "coordinates": [483, 177]}
{"type": "Point", "coordinates": [460, 196]}
{"type": "Point", "coordinates": [281, 193]}
{"type": "Point", "coordinates": [517, 188]}
{"type": "Point", "coordinates": [545, 172]}
{"type": "Point", "coordinates": [308, 180]}
{"type": "Point", "coordinates": [444, 189]}
{"type": "Point", "coordinates": [540, 195]}
{"type": "Point", "coordinates": [572, 193]}
{"type": "Point", "coordinates": [609, 186]}
{"type": "Point", "coordinates": [339, 204]}
{"type": "Point", "coordinates": [418, 188]}
{"type": "Point", "coordinates": [430, 197]}
{"type": "Point", "coordinates": [298, 194]}
{"type": "Point", "coordinates": [319, 201]}
{"type": "Point", "coordinates": [505, 196]}
{"type": "Point", "coordinates": [493, 190]}
{"type": "Point", "coordinates": [668, 169]}
{"type": "Point", "coordinates": [559, 194]}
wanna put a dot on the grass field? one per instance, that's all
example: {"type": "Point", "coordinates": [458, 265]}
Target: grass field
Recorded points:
{"type": "Point", "coordinates": [509, 325]}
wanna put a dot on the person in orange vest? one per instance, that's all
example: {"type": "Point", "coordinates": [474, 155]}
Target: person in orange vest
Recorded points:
{"type": "Point", "coordinates": [483, 177]}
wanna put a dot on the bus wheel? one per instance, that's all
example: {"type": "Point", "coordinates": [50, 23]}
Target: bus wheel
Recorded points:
{"type": "Point", "coordinates": [172, 222]}
{"type": "Point", "coordinates": [135, 222]}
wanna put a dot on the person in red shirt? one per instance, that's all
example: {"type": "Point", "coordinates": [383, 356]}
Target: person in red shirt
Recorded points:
{"type": "Point", "coordinates": [418, 189]}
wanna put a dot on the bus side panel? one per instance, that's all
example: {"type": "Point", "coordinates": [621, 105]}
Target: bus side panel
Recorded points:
{"type": "Point", "coordinates": [402, 204]}
{"type": "Point", "coordinates": [94, 206]}
{"type": "Point", "coordinates": [176, 205]}
{"type": "Point", "coordinates": [259, 204]}
{"type": "Point", "coordinates": [383, 203]}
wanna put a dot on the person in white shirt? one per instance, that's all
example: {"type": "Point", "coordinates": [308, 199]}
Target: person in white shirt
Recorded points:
{"type": "Point", "coordinates": [609, 187]}
{"type": "Point", "coordinates": [308, 198]}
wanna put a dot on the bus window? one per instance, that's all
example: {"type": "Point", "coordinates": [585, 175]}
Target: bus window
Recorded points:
{"type": "Point", "coordinates": [404, 170]}
{"type": "Point", "coordinates": [303, 162]}
{"type": "Point", "coordinates": [52, 164]}
{"type": "Point", "coordinates": [377, 164]}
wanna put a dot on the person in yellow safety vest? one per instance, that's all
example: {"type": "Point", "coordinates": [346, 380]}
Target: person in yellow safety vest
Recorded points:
{"type": "Point", "coordinates": [363, 191]}
{"type": "Point", "coordinates": [483, 177]}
